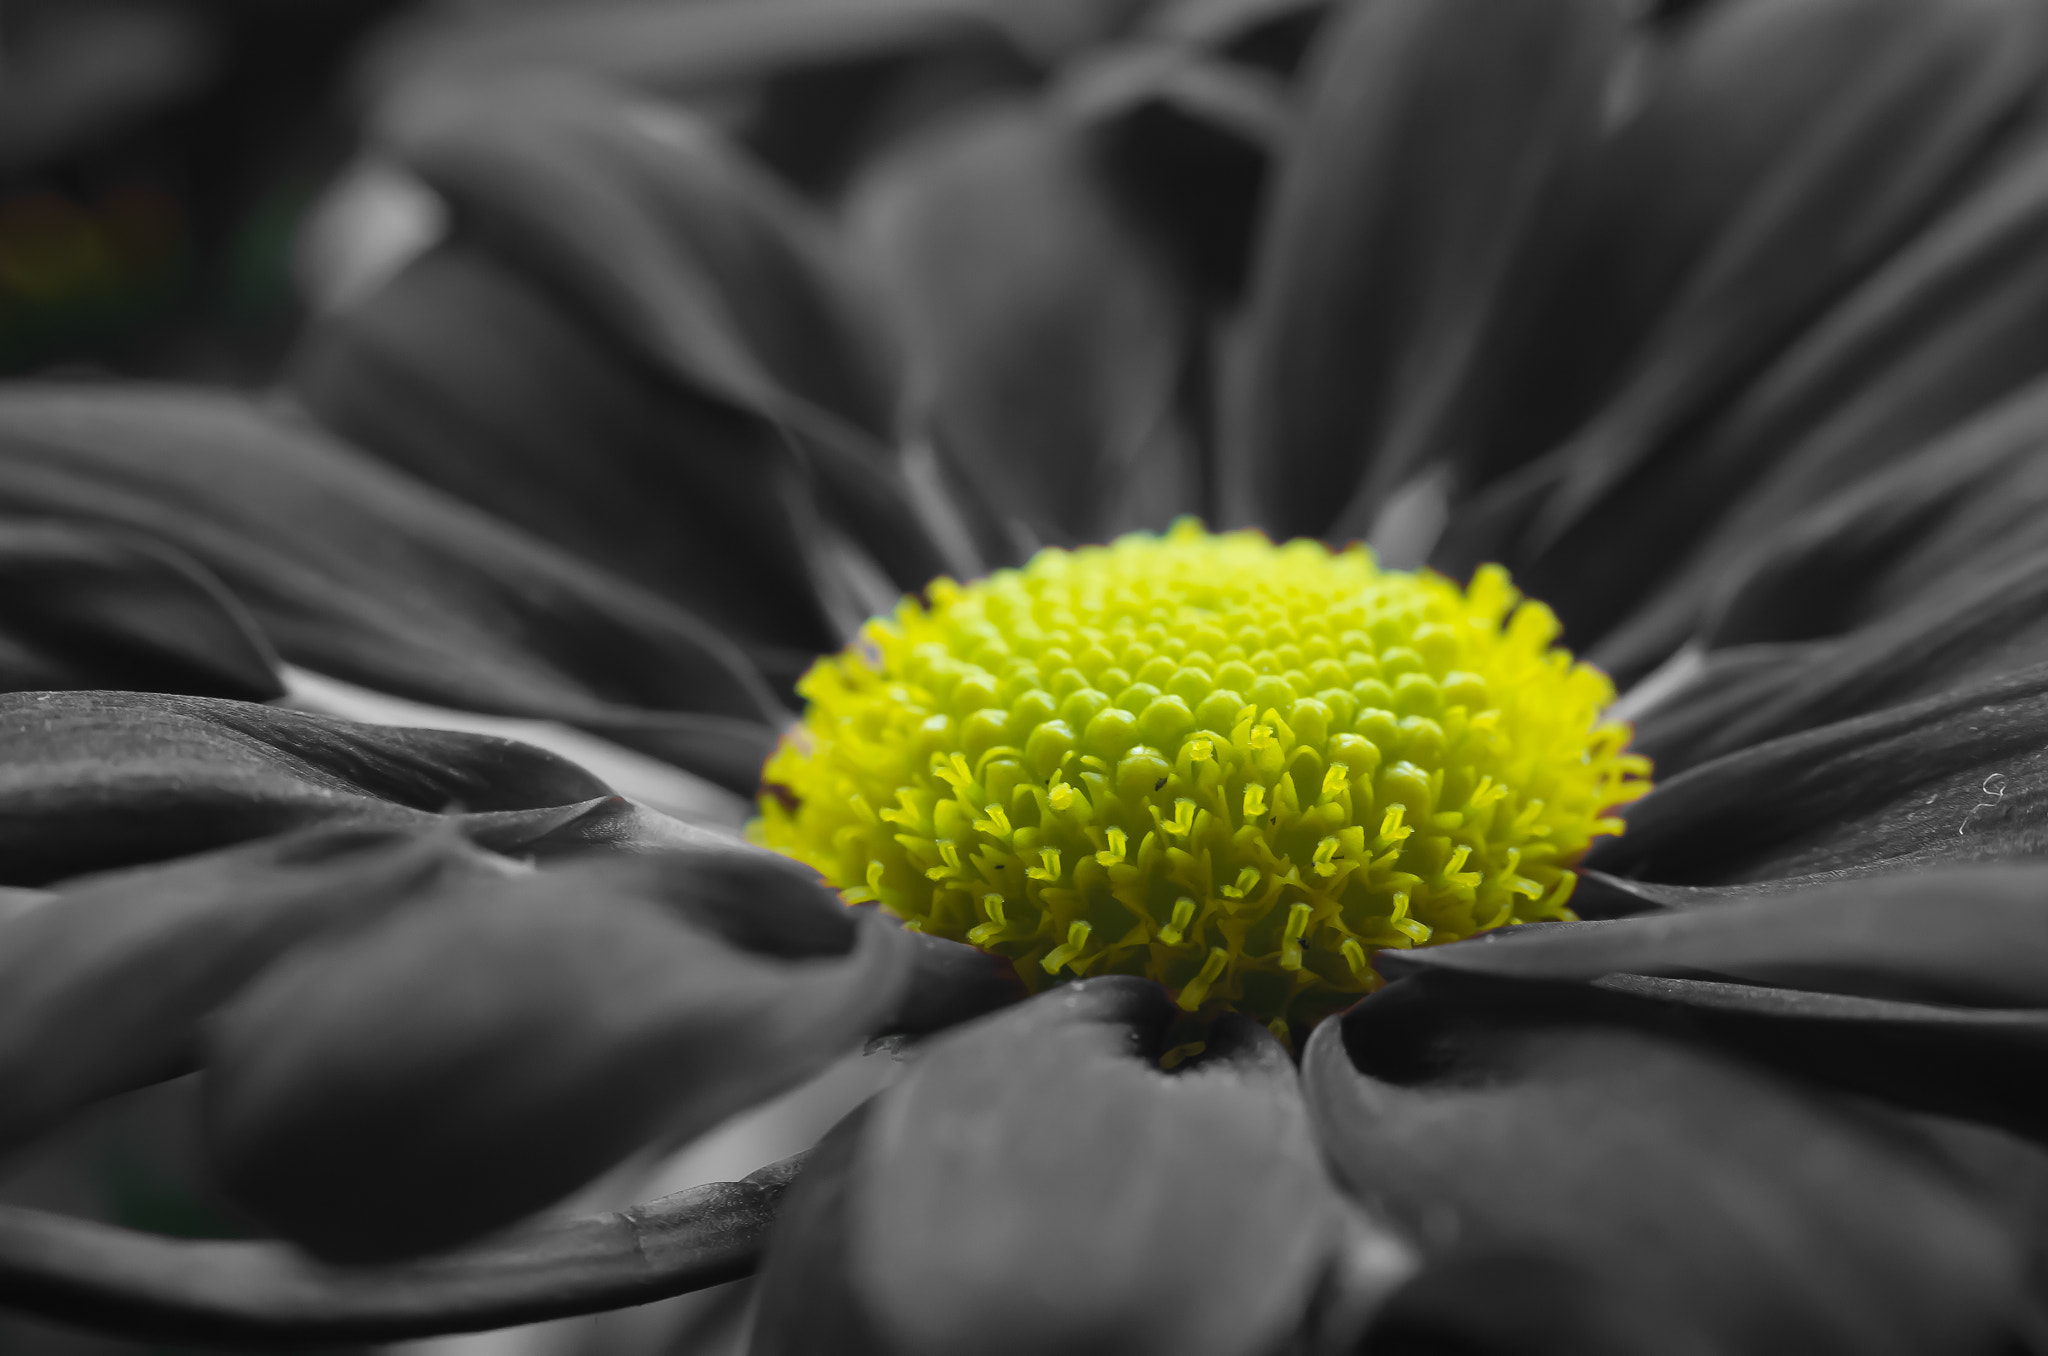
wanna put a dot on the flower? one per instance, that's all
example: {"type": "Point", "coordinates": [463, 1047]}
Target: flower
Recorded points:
{"type": "Point", "coordinates": [1241, 837]}
{"type": "Point", "coordinates": [1715, 324]}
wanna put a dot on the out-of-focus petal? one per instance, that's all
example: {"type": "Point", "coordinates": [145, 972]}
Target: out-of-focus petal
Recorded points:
{"type": "Point", "coordinates": [1037, 1185]}
{"type": "Point", "coordinates": [1823, 133]}
{"type": "Point", "coordinates": [464, 373]}
{"type": "Point", "coordinates": [679, 245]}
{"type": "Point", "coordinates": [1185, 139]}
{"type": "Point", "coordinates": [267, 1294]}
{"type": "Point", "coordinates": [96, 780]}
{"type": "Point", "coordinates": [104, 986]}
{"type": "Point", "coordinates": [1265, 34]}
{"type": "Point", "coordinates": [1958, 506]}
{"type": "Point", "coordinates": [82, 75]}
{"type": "Point", "coordinates": [1430, 135]}
{"type": "Point", "coordinates": [659, 45]}
{"type": "Point", "coordinates": [1986, 624]}
{"type": "Point", "coordinates": [356, 571]}
{"type": "Point", "coordinates": [662, 230]}
{"type": "Point", "coordinates": [1908, 580]}
{"type": "Point", "coordinates": [1947, 327]}
{"type": "Point", "coordinates": [479, 1056]}
{"type": "Point", "coordinates": [1695, 1205]}
{"type": "Point", "coordinates": [1046, 337]}
{"type": "Point", "coordinates": [1953, 777]}
{"type": "Point", "coordinates": [84, 609]}
{"type": "Point", "coordinates": [1976, 935]}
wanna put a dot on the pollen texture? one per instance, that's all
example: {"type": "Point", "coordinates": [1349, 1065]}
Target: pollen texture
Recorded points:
{"type": "Point", "coordinates": [1235, 767]}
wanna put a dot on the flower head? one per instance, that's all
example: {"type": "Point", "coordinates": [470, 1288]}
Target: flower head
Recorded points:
{"type": "Point", "coordinates": [1234, 768]}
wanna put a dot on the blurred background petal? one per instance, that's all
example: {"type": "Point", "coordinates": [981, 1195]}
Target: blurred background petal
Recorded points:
{"type": "Point", "coordinates": [1431, 135]}
{"type": "Point", "coordinates": [84, 609]}
{"type": "Point", "coordinates": [358, 572]}
{"type": "Point", "coordinates": [477, 1058]}
{"type": "Point", "coordinates": [104, 988]}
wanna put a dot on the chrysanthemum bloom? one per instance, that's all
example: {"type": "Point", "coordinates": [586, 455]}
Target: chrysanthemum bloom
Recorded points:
{"type": "Point", "coordinates": [1279, 949]}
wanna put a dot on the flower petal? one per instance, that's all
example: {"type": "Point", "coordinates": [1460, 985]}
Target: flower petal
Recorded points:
{"type": "Point", "coordinates": [1035, 1185]}
{"type": "Point", "coordinates": [807, 1305]}
{"type": "Point", "coordinates": [1956, 506]}
{"type": "Point", "coordinates": [84, 609]}
{"type": "Point", "coordinates": [1678, 1193]}
{"type": "Point", "coordinates": [103, 987]}
{"type": "Point", "coordinates": [1186, 137]}
{"type": "Point", "coordinates": [1266, 34]}
{"type": "Point", "coordinates": [1954, 777]}
{"type": "Point", "coordinates": [355, 571]}
{"type": "Point", "coordinates": [1986, 1064]}
{"type": "Point", "coordinates": [478, 1057]}
{"type": "Point", "coordinates": [706, 267]}
{"type": "Point", "coordinates": [652, 44]}
{"type": "Point", "coordinates": [1840, 124]}
{"type": "Point", "coordinates": [1985, 625]}
{"type": "Point", "coordinates": [265, 1294]}
{"type": "Point", "coordinates": [1911, 566]}
{"type": "Point", "coordinates": [1431, 132]}
{"type": "Point", "coordinates": [1046, 338]}
{"type": "Point", "coordinates": [1961, 935]}
{"type": "Point", "coordinates": [1981, 1063]}
{"type": "Point", "coordinates": [466, 374]}
{"type": "Point", "coordinates": [950, 983]}
{"type": "Point", "coordinates": [1947, 327]}
{"type": "Point", "coordinates": [91, 780]}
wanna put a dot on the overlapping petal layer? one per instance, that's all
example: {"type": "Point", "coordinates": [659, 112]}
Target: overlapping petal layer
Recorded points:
{"type": "Point", "coordinates": [1720, 320]}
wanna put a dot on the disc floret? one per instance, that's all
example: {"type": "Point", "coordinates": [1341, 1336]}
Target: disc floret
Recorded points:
{"type": "Point", "coordinates": [1234, 767]}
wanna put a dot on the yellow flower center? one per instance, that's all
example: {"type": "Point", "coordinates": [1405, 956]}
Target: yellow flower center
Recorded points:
{"type": "Point", "coordinates": [1235, 767]}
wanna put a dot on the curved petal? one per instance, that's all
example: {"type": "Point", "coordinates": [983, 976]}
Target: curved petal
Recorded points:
{"type": "Point", "coordinates": [249, 1294]}
{"type": "Point", "coordinates": [1954, 777]}
{"type": "Point", "coordinates": [355, 571]}
{"type": "Point", "coordinates": [1950, 325]}
{"type": "Point", "coordinates": [1910, 566]}
{"type": "Point", "coordinates": [1431, 135]}
{"type": "Point", "coordinates": [103, 987]}
{"type": "Point", "coordinates": [1984, 625]}
{"type": "Point", "coordinates": [478, 1057]}
{"type": "Point", "coordinates": [1264, 34]}
{"type": "Point", "coordinates": [663, 233]}
{"type": "Point", "coordinates": [701, 263]}
{"type": "Point", "coordinates": [1045, 338]}
{"type": "Point", "coordinates": [466, 374]}
{"type": "Point", "coordinates": [950, 982]}
{"type": "Point", "coordinates": [84, 609]}
{"type": "Point", "coordinates": [1976, 935]}
{"type": "Point", "coordinates": [1981, 1063]}
{"type": "Point", "coordinates": [1699, 1205]}
{"type": "Point", "coordinates": [1036, 1185]}
{"type": "Point", "coordinates": [1957, 506]}
{"type": "Point", "coordinates": [652, 44]}
{"type": "Point", "coordinates": [807, 1306]}
{"type": "Point", "coordinates": [1841, 124]}
{"type": "Point", "coordinates": [92, 780]}
{"type": "Point", "coordinates": [1185, 138]}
